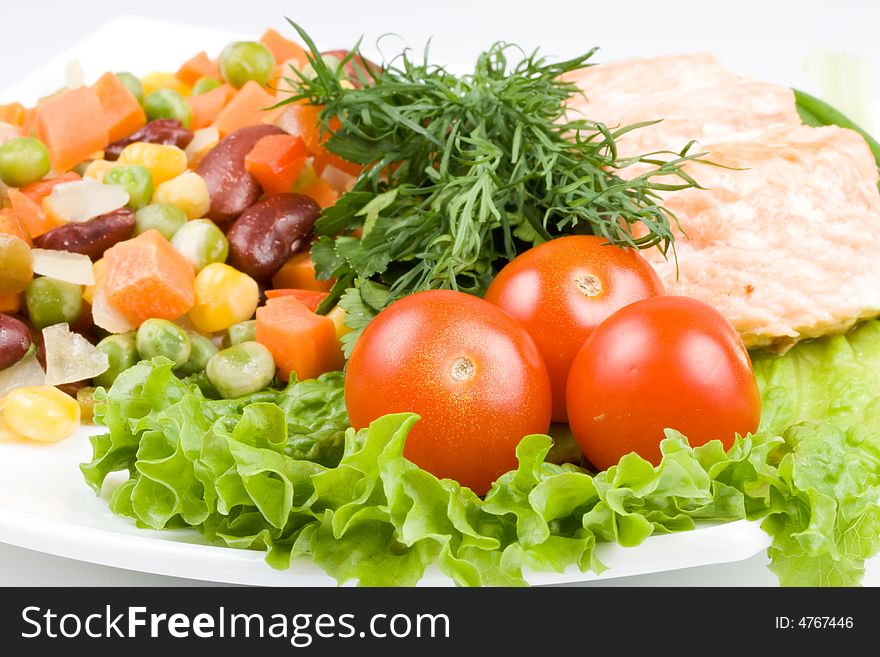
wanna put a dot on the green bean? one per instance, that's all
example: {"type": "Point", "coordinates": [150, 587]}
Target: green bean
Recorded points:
{"type": "Point", "coordinates": [816, 112]}
{"type": "Point", "coordinates": [241, 370]}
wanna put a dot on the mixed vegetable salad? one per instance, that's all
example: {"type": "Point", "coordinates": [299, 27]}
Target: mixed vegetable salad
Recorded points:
{"type": "Point", "coordinates": [388, 316]}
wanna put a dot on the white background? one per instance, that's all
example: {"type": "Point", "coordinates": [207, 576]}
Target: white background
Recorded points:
{"type": "Point", "coordinates": [764, 39]}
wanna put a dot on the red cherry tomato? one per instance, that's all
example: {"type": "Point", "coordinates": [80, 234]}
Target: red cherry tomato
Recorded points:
{"type": "Point", "coordinates": [468, 369]}
{"type": "Point", "coordinates": [563, 289]}
{"type": "Point", "coordinates": [665, 362]}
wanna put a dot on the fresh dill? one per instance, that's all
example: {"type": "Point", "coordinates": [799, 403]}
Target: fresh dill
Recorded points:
{"type": "Point", "coordinates": [463, 172]}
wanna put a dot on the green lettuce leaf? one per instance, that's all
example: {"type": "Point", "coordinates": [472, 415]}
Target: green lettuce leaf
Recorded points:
{"type": "Point", "coordinates": [823, 397]}
{"type": "Point", "coordinates": [280, 471]}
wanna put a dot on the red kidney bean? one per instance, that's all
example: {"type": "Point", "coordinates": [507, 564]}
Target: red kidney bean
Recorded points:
{"type": "Point", "coordinates": [269, 232]}
{"type": "Point", "coordinates": [15, 340]}
{"type": "Point", "coordinates": [231, 188]}
{"type": "Point", "coordinates": [91, 237]}
{"type": "Point", "coordinates": [168, 132]}
{"type": "Point", "coordinates": [356, 67]}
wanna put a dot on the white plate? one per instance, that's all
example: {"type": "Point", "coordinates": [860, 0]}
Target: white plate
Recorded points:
{"type": "Point", "coordinates": [46, 506]}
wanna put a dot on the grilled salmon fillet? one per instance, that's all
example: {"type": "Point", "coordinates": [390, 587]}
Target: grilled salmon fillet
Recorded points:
{"type": "Point", "coordinates": [786, 241]}
{"type": "Point", "coordinates": [696, 98]}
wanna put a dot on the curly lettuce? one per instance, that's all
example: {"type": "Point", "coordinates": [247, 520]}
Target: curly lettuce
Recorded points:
{"type": "Point", "coordinates": [281, 471]}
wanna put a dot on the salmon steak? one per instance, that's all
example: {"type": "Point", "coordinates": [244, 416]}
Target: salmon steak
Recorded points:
{"type": "Point", "coordinates": [784, 237]}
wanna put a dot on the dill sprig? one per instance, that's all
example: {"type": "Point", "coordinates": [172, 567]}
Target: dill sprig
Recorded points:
{"type": "Point", "coordinates": [463, 172]}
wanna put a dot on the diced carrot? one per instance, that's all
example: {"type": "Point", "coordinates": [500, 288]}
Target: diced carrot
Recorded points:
{"type": "Point", "coordinates": [298, 273]}
{"type": "Point", "coordinates": [71, 125]}
{"type": "Point", "coordinates": [323, 194]}
{"type": "Point", "coordinates": [323, 158]}
{"type": "Point", "coordinates": [284, 49]}
{"type": "Point", "coordinates": [301, 120]}
{"type": "Point", "coordinates": [276, 162]}
{"type": "Point", "coordinates": [146, 277]}
{"type": "Point", "coordinates": [10, 303]}
{"type": "Point", "coordinates": [29, 213]}
{"type": "Point", "coordinates": [13, 113]}
{"type": "Point", "coordinates": [198, 66]}
{"type": "Point", "coordinates": [309, 298]}
{"type": "Point", "coordinates": [249, 107]}
{"type": "Point", "coordinates": [206, 107]}
{"type": "Point", "coordinates": [302, 343]}
{"type": "Point", "coordinates": [29, 126]}
{"type": "Point", "coordinates": [123, 114]}
{"type": "Point", "coordinates": [10, 224]}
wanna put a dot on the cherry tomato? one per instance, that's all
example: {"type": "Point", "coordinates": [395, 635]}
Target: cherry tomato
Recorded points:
{"type": "Point", "coordinates": [665, 362]}
{"type": "Point", "coordinates": [563, 289]}
{"type": "Point", "coordinates": [467, 368]}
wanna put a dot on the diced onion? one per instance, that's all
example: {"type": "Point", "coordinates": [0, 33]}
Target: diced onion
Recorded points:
{"type": "Point", "coordinates": [81, 200]}
{"type": "Point", "coordinates": [203, 139]}
{"type": "Point", "coordinates": [64, 266]}
{"type": "Point", "coordinates": [70, 357]}
{"type": "Point", "coordinates": [108, 316]}
{"type": "Point", "coordinates": [74, 75]}
{"type": "Point", "coordinates": [339, 180]}
{"type": "Point", "coordinates": [26, 372]}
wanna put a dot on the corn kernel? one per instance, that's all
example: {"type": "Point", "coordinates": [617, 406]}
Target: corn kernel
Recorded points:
{"type": "Point", "coordinates": [97, 169]}
{"type": "Point", "coordinates": [41, 413]}
{"type": "Point", "coordinates": [337, 316]}
{"type": "Point", "coordinates": [224, 296]}
{"type": "Point", "coordinates": [161, 80]}
{"type": "Point", "coordinates": [187, 192]}
{"type": "Point", "coordinates": [99, 268]}
{"type": "Point", "coordinates": [164, 162]}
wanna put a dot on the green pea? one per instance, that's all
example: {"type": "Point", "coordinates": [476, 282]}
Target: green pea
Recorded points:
{"type": "Point", "coordinates": [205, 84]}
{"type": "Point", "coordinates": [167, 104]}
{"type": "Point", "coordinates": [50, 301]}
{"type": "Point", "coordinates": [134, 179]}
{"type": "Point", "coordinates": [121, 352]}
{"type": "Point", "coordinates": [246, 60]}
{"type": "Point", "coordinates": [202, 351]}
{"type": "Point", "coordinates": [159, 337]}
{"type": "Point", "coordinates": [240, 332]}
{"type": "Point", "coordinates": [133, 84]}
{"type": "Point", "coordinates": [201, 242]}
{"type": "Point", "coordinates": [164, 217]}
{"type": "Point", "coordinates": [241, 370]}
{"type": "Point", "coordinates": [23, 160]}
